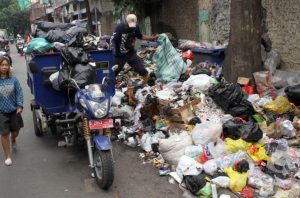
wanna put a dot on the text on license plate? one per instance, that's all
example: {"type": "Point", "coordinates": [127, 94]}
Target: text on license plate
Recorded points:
{"type": "Point", "coordinates": [101, 124]}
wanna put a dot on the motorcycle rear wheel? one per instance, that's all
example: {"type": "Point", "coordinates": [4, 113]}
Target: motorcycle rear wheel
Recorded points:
{"type": "Point", "coordinates": [104, 168]}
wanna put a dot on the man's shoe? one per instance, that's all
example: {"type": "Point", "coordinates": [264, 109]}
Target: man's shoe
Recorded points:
{"type": "Point", "coordinates": [8, 162]}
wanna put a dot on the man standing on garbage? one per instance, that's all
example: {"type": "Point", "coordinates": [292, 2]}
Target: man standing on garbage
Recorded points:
{"type": "Point", "coordinates": [123, 41]}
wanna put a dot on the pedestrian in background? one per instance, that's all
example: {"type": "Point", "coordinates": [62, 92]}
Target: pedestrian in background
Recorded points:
{"type": "Point", "coordinates": [11, 107]}
{"type": "Point", "coordinates": [123, 41]}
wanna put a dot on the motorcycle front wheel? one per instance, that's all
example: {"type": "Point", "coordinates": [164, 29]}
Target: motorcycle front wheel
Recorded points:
{"type": "Point", "coordinates": [104, 168]}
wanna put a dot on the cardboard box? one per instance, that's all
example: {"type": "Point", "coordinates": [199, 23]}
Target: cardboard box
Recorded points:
{"type": "Point", "coordinates": [243, 81]}
{"type": "Point", "coordinates": [186, 112]}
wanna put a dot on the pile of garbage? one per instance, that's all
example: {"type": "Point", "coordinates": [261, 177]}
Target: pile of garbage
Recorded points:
{"type": "Point", "coordinates": [73, 42]}
{"type": "Point", "coordinates": [206, 133]}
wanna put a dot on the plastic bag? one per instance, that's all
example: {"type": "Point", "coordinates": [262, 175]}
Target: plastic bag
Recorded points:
{"type": "Point", "coordinates": [231, 99]}
{"type": "Point", "coordinates": [63, 77]}
{"type": "Point", "coordinates": [173, 147]}
{"type": "Point", "coordinates": [206, 132]}
{"type": "Point", "coordinates": [279, 106]}
{"type": "Point", "coordinates": [194, 183]}
{"type": "Point", "coordinates": [238, 181]}
{"type": "Point", "coordinates": [222, 181]}
{"type": "Point", "coordinates": [293, 94]}
{"type": "Point", "coordinates": [230, 160]}
{"type": "Point", "coordinates": [83, 74]}
{"type": "Point", "coordinates": [55, 36]}
{"type": "Point", "coordinates": [146, 142]}
{"type": "Point", "coordinates": [234, 146]}
{"type": "Point", "coordinates": [200, 81]}
{"type": "Point", "coordinates": [217, 149]}
{"type": "Point", "coordinates": [206, 190]}
{"type": "Point", "coordinates": [188, 166]}
{"type": "Point", "coordinates": [74, 55]}
{"type": "Point", "coordinates": [251, 132]}
{"type": "Point", "coordinates": [169, 64]}
{"type": "Point", "coordinates": [193, 151]}
{"type": "Point", "coordinates": [285, 128]}
{"type": "Point", "coordinates": [39, 45]}
{"type": "Point", "coordinates": [272, 61]}
{"type": "Point", "coordinates": [116, 99]}
{"type": "Point", "coordinates": [282, 79]}
{"type": "Point", "coordinates": [258, 153]}
{"type": "Point", "coordinates": [264, 86]}
{"type": "Point", "coordinates": [54, 80]}
{"type": "Point", "coordinates": [261, 181]}
{"type": "Point", "coordinates": [47, 26]}
{"type": "Point", "coordinates": [210, 167]}
{"type": "Point", "coordinates": [184, 44]}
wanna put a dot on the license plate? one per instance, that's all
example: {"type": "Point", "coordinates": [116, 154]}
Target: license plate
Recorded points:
{"type": "Point", "coordinates": [101, 124]}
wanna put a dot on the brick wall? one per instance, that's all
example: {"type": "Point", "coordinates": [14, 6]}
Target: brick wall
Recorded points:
{"type": "Point", "coordinates": [179, 17]}
{"type": "Point", "coordinates": [283, 19]}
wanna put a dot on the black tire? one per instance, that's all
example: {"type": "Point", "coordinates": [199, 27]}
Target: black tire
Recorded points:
{"type": "Point", "coordinates": [104, 168]}
{"type": "Point", "coordinates": [36, 124]}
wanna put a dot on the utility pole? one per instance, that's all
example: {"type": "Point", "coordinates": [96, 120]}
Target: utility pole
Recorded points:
{"type": "Point", "coordinates": [243, 56]}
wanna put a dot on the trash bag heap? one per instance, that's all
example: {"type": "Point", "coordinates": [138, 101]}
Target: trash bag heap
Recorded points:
{"type": "Point", "coordinates": [73, 42]}
{"type": "Point", "coordinates": [206, 133]}
{"type": "Point", "coordinates": [190, 123]}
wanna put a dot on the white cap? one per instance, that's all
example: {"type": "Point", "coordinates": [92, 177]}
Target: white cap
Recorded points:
{"type": "Point", "coordinates": [131, 20]}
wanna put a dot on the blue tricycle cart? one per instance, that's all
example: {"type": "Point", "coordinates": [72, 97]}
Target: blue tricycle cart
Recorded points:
{"type": "Point", "coordinates": [76, 114]}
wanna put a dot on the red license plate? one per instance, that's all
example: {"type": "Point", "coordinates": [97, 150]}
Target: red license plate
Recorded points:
{"type": "Point", "coordinates": [101, 124]}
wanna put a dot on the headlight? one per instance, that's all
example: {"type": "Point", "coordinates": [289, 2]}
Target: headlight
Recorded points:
{"type": "Point", "coordinates": [99, 109]}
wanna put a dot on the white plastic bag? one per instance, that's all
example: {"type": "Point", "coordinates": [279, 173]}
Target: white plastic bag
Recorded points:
{"type": "Point", "coordinates": [193, 151]}
{"type": "Point", "coordinates": [116, 100]}
{"type": "Point", "coordinates": [173, 147]}
{"type": "Point", "coordinates": [222, 181]}
{"type": "Point", "coordinates": [200, 81]}
{"type": "Point", "coordinates": [146, 142]}
{"type": "Point", "coordinates": [54, 80]}
{"type": "Point", "coordinates": [206, 132]}
{"type": "Point", "coordinates": [210, 167]}
{"type": "Point", "coordinates": [188, 166]}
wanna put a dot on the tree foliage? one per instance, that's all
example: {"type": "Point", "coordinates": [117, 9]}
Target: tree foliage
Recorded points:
{"type": "Point", "coordinates": [128, 6]}
{"type": "Point", "coordinates": [13, 18]}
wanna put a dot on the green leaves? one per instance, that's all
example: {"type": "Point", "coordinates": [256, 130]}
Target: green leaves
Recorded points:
{"type": "Point", "coordinates": [127, 6]}
{"type": "Point", "coordinates": [13, 18]}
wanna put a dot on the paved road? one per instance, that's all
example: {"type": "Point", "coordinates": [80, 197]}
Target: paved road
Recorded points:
{"type": "Point", "coordinates": [42, 170]}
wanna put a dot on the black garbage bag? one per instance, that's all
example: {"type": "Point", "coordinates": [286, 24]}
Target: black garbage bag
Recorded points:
{"type": "Point", "coordinates": [293, 94]}
{"type": "Point", "coordinates": [63, 77]}
{"type": "Point", "coordinates": [47, 26]}
{"type": "Point", "coordinates": [244, 110]}
{"type": "Point", "coordinates": [74, 55]}
{"type": "Point", "coordinates": [251, 132]}
{"type": "Point", "coordinates": [231, 99]}
{"type": "Point", "coordinates": [55, 36]}
{"type": "Point", "coordinates": [236, 129]}
{"type": "Point", "coordinates": [194, 183]}
{"type": "Point", "coordinates": [232, 129]}
{"type": "Point", "coordinates": [39, 33]}
{"type": "Point", "coordinates": [199, 70]}
{"type": "Point", "coordinates": [74, 36]}
{"type": "Point", "coordinates": [83, 74]}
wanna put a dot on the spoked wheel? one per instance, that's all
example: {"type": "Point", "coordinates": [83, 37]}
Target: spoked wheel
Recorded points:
{"type": "Point", "coordinates": [36, 124]}
{"type": "Point", "coordinates": [104, 168]}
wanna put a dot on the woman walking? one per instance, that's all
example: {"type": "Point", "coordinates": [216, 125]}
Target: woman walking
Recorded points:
{"type": "Point", "coordinates": [11, 107]}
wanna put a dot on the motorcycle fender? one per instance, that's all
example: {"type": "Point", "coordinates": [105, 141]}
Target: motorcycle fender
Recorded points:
{"type": "Point", "coordinates": [102, 142]}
